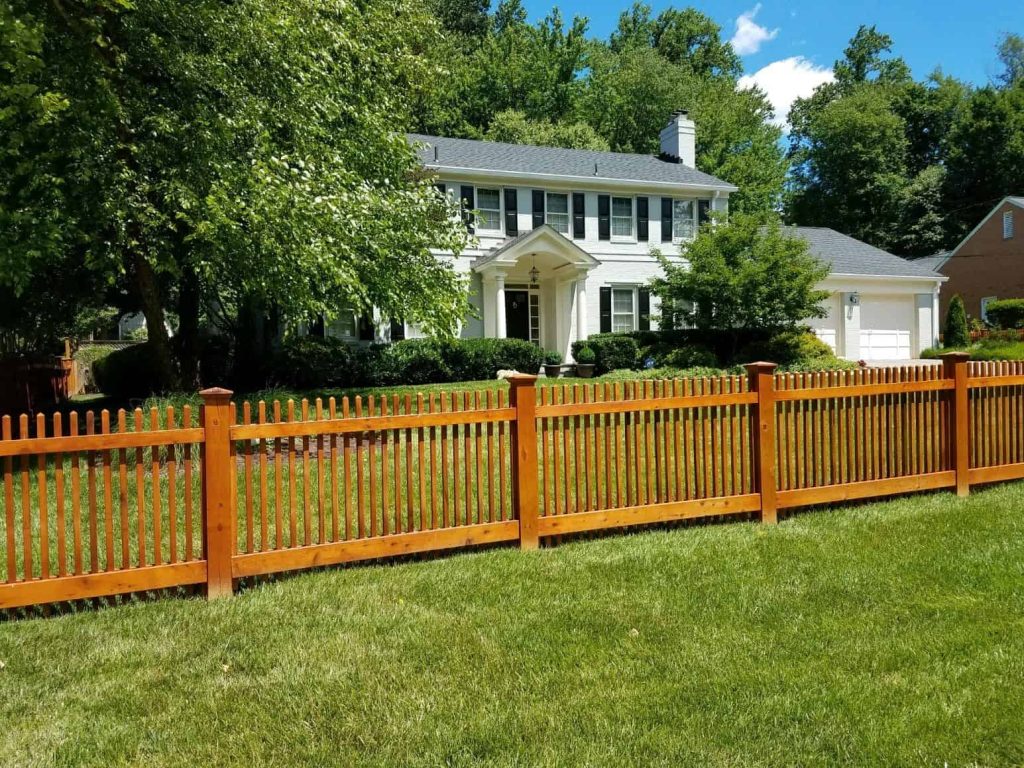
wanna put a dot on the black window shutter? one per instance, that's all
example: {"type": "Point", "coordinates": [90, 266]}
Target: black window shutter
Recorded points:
{"type": "Point", "coordinates": [397, 330]}
{"type": "Point", "coordinates": [606, 310]}
{"type": "Point", "coordinates": [317, 327]}
{"type": "Point", "coordinates": [538, 207]}
{"type": "Point", "coordinates": [604, 219]}
{"type": "Point", "coordinates": [642, 215]}
{"type": "Point", "coordinates": [703, 211]}
{"type": "Point", "coordinates": [643, 299]}
{"type": "Point", "coordinates": [666, 219]}
{"type": "Point", "coordinates": [468, 204]}
{"type": "Point", "coordinates": [512, 212]}
{"type": "Point", "coordinates": [366, 330]}
{"type": "Point", "coordinates": [579, 220]}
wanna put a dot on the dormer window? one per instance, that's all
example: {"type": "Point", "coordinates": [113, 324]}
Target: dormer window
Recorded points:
{"type": "Point", "coordinates": [1008, 225]}
{"type": "Point", "coordinates": [488, 207]}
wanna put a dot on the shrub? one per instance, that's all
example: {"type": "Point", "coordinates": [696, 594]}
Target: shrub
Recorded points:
{"type": "Point", "coordinates": [787, 348]}
{"type": "Point", "coordinates": [485, 357]}
{"type": "Point", "coordinates": [128, 372]}
{"type": "Point", "coordinates": [665, 372]}
{"type": "Point", "coordinates": [955, 330]}
{"type": "Point", "coordinates": [1002, 351]}
{"type": "Point", "coordinates": [552, 358]}
{"type": "Point", "coordinates": [413, 361]}
{"type": "Point", "coordinates": [689, 357]}
{"type": "Point", "coordinates": [611, 351]}
{"type": "Point", "coordinates": [586, 355]}
{"type": "Point", "coordinates": [308, 361]}
{"type": "Point", "coordinates": [1006, 314]}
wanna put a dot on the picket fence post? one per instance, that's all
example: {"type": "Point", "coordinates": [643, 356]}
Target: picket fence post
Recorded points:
{"type": "Point", "coordinates": [762, 382]}
{"type": "Point", "coordinates": [954, 366]}
{"type": "Point", "coordinates": [218, 477]}
{"type": "Point", "coordinates": [523, 397]}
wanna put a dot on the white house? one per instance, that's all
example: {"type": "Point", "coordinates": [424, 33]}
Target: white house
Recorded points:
{"type": "Point", "coordinates": [565, 239]}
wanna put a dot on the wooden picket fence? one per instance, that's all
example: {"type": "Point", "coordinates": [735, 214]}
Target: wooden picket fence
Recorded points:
{"type": "Point", "coordinates": [158, 500]}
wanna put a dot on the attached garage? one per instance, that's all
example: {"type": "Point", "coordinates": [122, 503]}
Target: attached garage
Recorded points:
{"type": "Point", "coordinates": [880, 307]}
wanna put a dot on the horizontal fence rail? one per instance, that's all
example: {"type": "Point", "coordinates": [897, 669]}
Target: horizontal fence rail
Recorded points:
{"type": "Point", "coordinates": [106, 504]}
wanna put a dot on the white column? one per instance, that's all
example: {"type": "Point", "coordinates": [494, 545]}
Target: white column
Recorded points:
{"type": "Point", "coordinates": [581, 308]}
{"type": "Point", "coordinates": [499, 314]}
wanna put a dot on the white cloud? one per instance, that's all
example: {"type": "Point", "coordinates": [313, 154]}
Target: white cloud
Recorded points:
{"type": "Point", "coordinates": [785, 81]}
{"type": "Point", "coordinates": [749, 34]}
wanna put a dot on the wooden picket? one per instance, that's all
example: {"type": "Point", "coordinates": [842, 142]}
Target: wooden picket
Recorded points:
{"type": "Point", "coordinates": [129, 502]}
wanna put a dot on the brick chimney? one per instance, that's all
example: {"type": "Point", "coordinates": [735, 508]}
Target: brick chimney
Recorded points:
{"type": "Point", "coordinates": [679, 139]}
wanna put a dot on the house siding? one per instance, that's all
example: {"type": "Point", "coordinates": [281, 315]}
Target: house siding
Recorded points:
{"type": "Point", "coordinates": [987, 265]}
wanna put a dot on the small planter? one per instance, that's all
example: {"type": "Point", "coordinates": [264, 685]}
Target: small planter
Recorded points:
{"type": "Point", "coordinates": [585, 370]}
{"type": "Point", "coordinates": [553, 371]}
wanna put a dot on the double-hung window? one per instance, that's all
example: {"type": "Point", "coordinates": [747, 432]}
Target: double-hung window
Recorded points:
{"type": "Point", "coordinates": [343, 326]}
{"type": "Point", "coordinates": [622, 217]}
{"type": "Point", "coordinates": [488, 210]}
{"type": "Point", "coordinates": [623, 310]}
{"type": "Point", "coordinates": [557, 212]}
{"type": "Point", "coordinates": [683, 220]}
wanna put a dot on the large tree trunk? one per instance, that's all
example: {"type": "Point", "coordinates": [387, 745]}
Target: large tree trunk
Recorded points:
{"type": "Point", "coordinates": [148, 291]}
{"type": "Point", "coordinates": [188, 329]}
{"type": "Point", "coordinates": [253, 343]}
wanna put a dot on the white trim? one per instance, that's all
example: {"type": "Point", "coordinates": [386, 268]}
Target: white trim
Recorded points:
{"type": "Point", "coordinates": [631, 237]}
{"type": "Point", "coordinates": [1008, 199]}
{"type": "Point", "coordinates": [853, 275]}
{"type": "Point", "coordinates": [477, 229]}
{"type": "Point", "coordinates": [1007, 225]}
{"type": "Point", "coordinates": [602, 181]}
{"type": "Point", "coordinates": [567, 214]}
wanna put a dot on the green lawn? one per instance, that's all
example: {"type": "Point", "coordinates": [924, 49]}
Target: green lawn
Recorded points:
{"type": "Point", "coordinates": [885, 634]}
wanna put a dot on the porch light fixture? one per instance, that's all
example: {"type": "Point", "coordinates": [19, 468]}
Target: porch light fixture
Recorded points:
{"type": "Point", "coordinates": [534, 272]}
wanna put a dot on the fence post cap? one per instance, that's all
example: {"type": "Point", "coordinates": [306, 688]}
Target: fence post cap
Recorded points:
{"type": "Point", "coordinates": [956, 357]}
{"type": "Point", "coordinates": [215, 394]}
{"type": "Point", "coordinates": [522, 380]}
{"type": "Point", "coordinates": [761, 367]}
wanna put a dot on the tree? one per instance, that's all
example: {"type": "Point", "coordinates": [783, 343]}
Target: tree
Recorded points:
{"type": "Point", "coordinates": [232, 158]}
{"type": "Point", "coordinates": [954, 333]}
{"type": "Point", "coordinates": [514, 127]}
{"type": "Point", "coordinates": [1011, 56]}
{"type": "Point", "coordinates": [747, 274]}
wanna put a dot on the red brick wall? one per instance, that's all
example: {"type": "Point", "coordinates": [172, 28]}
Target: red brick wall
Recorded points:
{"type": "Point", "coordinates": [987, 265]}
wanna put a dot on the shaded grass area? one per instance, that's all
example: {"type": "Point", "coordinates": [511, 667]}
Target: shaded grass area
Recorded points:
{"type": "Point", "coordinates": [881, 634]}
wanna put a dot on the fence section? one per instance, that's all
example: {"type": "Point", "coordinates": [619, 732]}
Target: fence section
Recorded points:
{"type": "Point", "coordinates": [326, 483]}
{"type": "Point", "coordinates": [100, 506]}
{"type": "Point", "coordinates": [140, 501]}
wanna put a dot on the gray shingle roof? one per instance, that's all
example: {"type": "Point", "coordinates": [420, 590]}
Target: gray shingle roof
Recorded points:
{"type": "Point", "coordinates": [465, 154]}
{"type": "Point", "coordinates": [933, 262]}
{"type": "Point", "coordinates": [848, 256]}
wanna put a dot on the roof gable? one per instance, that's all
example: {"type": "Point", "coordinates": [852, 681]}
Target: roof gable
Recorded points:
{"type": "Point", "coordinates": [445, 154]}
{"type": "Point", "coordinates": [1011, 199]}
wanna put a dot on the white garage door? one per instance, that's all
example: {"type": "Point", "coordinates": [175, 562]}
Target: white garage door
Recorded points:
{"type": "Point", "coordinates": [827, 328]}
{"type": "Point", "coordinates": [886, 327]}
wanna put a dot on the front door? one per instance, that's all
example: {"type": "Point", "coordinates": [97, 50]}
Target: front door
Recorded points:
{"type": "Point", "coordinates": [517, 315]}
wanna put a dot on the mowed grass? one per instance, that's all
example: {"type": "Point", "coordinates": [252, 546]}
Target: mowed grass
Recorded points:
{"type": "Point", "coordinates": [883, 634]}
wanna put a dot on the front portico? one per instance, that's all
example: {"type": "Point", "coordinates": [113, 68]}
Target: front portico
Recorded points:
{"type": "Point", "coordinates": [535, 288]}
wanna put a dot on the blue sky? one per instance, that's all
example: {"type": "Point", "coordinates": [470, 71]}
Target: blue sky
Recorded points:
{"type": "Point", "coordinates": [789, 47]}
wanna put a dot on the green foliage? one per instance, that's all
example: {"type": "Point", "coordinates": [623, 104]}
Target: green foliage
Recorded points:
{"type": "Point", "coordinates": [663, 372]}
{"type": "Point", "coordinates": [1006, 313]}
{"type": "Point", "coordinates": [551, 357]}
{"type": "Point", "coordinates": [315, 363]}
{"type": "Point", "coordinates": [514, 127]}
{"type": "Point", "coordinates": [612, 351]}
{"type": "Point", "coordinates": [743, 276]}
{"type": "Point", "coordinates": [586, 355]}
{"type": "Point", "coordinates": [793, 346]}
{"type": "Point", "coordinates": [954, 332]}
{"type": "Point", "coordinates": [128, 373]}
{"type": "Point", "coordinates": [694, 356]}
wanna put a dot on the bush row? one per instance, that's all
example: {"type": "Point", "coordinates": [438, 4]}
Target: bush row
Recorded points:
{"type": "Point", "coordinates": [702, 349]}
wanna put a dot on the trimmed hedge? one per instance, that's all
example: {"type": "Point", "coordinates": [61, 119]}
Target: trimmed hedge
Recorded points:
{"type": "Point", "coordinates": [309, 362]}
{"type": "Point", "coordinates": [612, 351]}
{"type": "Point", "coordinates": [128, 372]}
{"type": "Point", "coordinates": [1006, 314]}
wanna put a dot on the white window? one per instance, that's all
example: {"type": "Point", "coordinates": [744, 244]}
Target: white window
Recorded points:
{"type": "Point", "coordinates": [1007, 225]}
{"type": "Point", "coordinates": [622, 217]}
{"type": "Point", "coordinates": [488, 207]}
{"type": "Point", "coordinates": [623, 310]}
{"type": "Point", "coordinates": [557, 213]}
{"type": "Point", "coordinates": [344, 326]}
{"type": "Point", "coordinates": [984, 307]}
{"type": "Point", "coordinates": [683, 219]}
